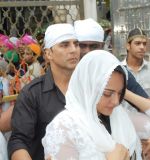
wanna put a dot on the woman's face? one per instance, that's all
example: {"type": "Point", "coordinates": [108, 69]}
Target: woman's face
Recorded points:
{"type": "Point", "coordinates": [111, 95]}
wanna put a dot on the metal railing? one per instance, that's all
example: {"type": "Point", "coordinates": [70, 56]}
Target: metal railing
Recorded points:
{"type": "Point", "coordinates": [20, 17]}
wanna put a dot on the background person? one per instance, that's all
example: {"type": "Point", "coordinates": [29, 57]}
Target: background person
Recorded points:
{"type": "Point", "coordinates": [33, 67]}
{"type": "Point", "coordinates": [140, 68]}
{"type": "Point", "coordinates": [90, 35]}
{"type": "Point", "coordinates": [135, 62]}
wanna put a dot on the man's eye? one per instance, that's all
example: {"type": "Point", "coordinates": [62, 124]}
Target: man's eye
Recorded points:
{"type": "Point", "coordinates": [137, 43]}
{"type": "Point", "coordinates": [82, 45]}
{"type": "Point", "coordinates": [94, 46]}
{"type": "Point", "coordinates": [76, 44]}
{"type": "Point", "coordinates": [64, 45]}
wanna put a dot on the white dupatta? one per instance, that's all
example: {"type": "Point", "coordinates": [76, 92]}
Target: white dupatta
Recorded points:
{"type": "Point", "coordinates": [85, 88]}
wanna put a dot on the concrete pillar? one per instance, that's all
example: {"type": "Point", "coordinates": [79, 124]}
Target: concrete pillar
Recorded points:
{"type": "Point", "coordinates": [90, 9]}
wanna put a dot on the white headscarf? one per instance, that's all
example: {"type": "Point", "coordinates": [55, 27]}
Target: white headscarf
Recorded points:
{"type": "Point", "coordinates": [57, 33]}
{"type": "Point", "coordinates": [85, 88]}
{"type": "Point", "coordinates": [89, 30]}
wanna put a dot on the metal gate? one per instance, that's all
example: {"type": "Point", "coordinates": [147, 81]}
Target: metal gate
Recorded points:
{"type": "Point", "coordinates": [18, 17]}
{"type": "Point", "coordinates": [126, 15]}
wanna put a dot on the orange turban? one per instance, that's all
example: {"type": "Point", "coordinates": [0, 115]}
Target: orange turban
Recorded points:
{"type": "Point", "coordinates": [35, 48]}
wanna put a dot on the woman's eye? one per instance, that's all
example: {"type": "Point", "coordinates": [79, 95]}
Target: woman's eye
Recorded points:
{"type": "Point", "coordinates": [107, 94]}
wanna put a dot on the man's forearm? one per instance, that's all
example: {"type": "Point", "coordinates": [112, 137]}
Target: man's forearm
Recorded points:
{"type": "Point", "coordinates": [21, 154]}
{"type": "Point", "coordinates": [140, 102]}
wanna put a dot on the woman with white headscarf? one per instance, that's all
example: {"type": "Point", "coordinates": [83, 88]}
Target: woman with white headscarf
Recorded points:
{"type": "Point", "coordinates": [94, 125]}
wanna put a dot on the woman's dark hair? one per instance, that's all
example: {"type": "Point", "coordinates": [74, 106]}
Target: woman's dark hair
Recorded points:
{"type": "Point", "coordinates": [120, 70]}
{"type": "Point", "coordinates": [105, 119]}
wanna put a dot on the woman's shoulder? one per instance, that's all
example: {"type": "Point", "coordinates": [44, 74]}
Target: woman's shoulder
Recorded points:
{"type": "Point", "coordinates": [64, 119]}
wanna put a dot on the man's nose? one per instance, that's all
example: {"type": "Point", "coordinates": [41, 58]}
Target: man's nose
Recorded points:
{"type": "Point", "coordinates": [73, 47]}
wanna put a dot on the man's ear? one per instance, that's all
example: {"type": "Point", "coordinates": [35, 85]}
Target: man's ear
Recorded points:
{"type": "Point", "coordinates": [127, 46]}
{"type": "Point", "coordinates": [102, 45]}
{"type": "Point", "coordinates": [48, 53]}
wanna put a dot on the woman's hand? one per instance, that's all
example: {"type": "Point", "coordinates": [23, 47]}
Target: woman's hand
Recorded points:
{"type": "Point", "coordinates": [119, 153]}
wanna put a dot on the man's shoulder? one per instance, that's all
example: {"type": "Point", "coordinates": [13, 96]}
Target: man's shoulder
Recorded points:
{"type": "Point", "coordinates": [147, 63]}
{"type": "Point", "coordinates": [124, 62]}
{"type": "Point", "coordinates": [44, 84]}
{"type": "Point", "coordinates": [36, 83]}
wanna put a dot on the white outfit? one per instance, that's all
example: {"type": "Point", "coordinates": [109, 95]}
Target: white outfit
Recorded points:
{"type": "Point", "coordinates": [6, 105]}
{"type": "Point", "coordinates": [140, 120]}
{"type": "Point", "coordinates": [142, 76]}
{"type": "Point", "coordinates": [76, 133]}
{"type": "Point", "coordinates": [5, 83]}
{"type": "Point", "coordinates": [3, 148]}
{"type": "Point", "coordinates": [34, 71]}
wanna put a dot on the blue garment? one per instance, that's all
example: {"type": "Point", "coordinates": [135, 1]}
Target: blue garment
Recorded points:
{"type": "Point", "coordinates": [135, 87]}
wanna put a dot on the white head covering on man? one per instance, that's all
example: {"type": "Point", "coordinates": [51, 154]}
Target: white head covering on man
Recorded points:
{"type": "Point", "coordinates": [89, 30]}
{"type": "Point", "coordinates": [57, 33]}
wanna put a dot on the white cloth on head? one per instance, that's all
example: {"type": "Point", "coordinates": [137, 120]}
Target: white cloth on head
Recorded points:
{"type": "Point", "coordinates": [84, 91]}
{"type": "Point", "coordinates": [84, 129]}
{"type": "Point", "coordinates": [14, 40]}
{"type": "Point", "coordinates": [57, 33]}
{"type": "Point", "coordinates": [89, 30]}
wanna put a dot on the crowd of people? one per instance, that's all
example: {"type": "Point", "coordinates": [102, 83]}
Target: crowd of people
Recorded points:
{"type": "Point", "coordinates": [64, 102]}
{"type": "Point", "coordinates": [20, 63]}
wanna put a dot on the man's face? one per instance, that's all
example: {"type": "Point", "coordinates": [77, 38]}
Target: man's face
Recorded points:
{"type": "Point", "coordinates": [28, 56]}
{"type": "Point", "coordinates": [3, 48]}
{"type": "Point", "coordinates": [137, 48]}
{"type": "Point", "coordinates": [87, 46]}
{"type": "Point", "coordinates": [64, 55]}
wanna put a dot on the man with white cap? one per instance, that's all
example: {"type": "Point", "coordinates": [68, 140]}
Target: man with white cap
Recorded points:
{"type": "Point", "coordinates": [43, 98]}
{"type": "Point", "coordinates": [90, 35]}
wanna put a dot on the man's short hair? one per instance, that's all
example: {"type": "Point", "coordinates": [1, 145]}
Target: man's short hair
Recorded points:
{"type": "Point", "coordinates": [136, 32]}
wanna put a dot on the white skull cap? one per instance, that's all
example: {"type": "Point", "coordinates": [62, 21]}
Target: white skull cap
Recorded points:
{"type": "Point", "coordinates": [57, 33]}
{"type": "Point", "coordinates": [89, 30]}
